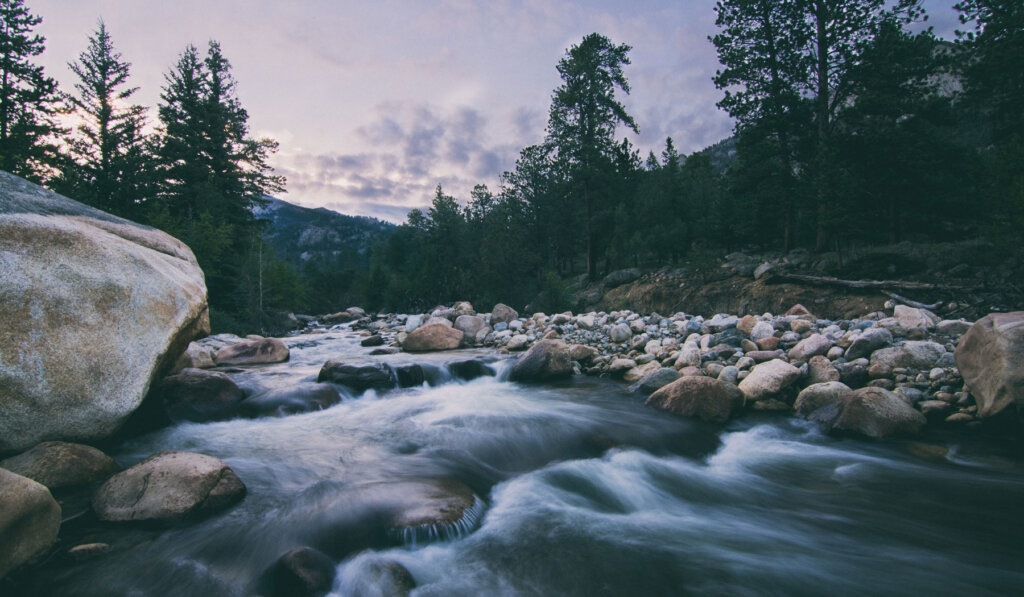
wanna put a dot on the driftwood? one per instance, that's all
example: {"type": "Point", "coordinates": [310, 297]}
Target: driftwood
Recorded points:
{"type": "Point", "coordinates": [865, 284]}
{"type": "Point", "coordinates": [911, 303]}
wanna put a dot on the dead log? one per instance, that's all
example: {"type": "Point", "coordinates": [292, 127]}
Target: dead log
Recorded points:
{"type": "Point", "coordinates": [862, 284]}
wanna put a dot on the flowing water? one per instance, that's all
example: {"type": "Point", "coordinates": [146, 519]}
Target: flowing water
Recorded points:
{"type": "Point", "coordinates": [581, 490]}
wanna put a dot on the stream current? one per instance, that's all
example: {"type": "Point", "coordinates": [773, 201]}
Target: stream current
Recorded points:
{"type": "Point", "coordinates": [582, 490]}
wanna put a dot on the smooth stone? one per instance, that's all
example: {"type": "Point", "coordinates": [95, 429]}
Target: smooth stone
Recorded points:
{"type": "Point", "coordinates": [701, 397]}
{"type": "Point", "coordinates": [29, 520]}
{"type": "Point", "coordinates": [58, 465]}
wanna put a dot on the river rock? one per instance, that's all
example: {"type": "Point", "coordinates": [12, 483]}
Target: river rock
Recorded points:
{"type": "Point", "coordinates": [546, 360]}
{"type": "Point", "coordinates": [198, 395]}
{"type": "Point", "coordinates": [432, 337]}
{"type": "Point", "coordinates": [813, 345]}
{"type": "Point", "coordinates": [518, 342]}
{"type": "Point", "coordinates": [360, 378]}
{"type": "Point", "coordinates": [502, 313]}
{"type": "Point", "coordinates": [470, 325]}
{"type": "Point", "coordinates": [470, 369]}
{"type": "Point", "coordinates": [253, 352]}
{"type": "Point", "coordinates": [868, 342]}
{"type": "Point", "coordinates": [768, 378]}
{"type": "Point", "coordinates": [761, 331]}
{"type": "Point", "coordinates": [168, 486]}
{"type": "Point", "coordinates": [300, 398]}
{"type": "Point", "coordinates": [582, 353]}
{"type": "Point", "coordinates": [820, 370]}
{"type": "Point", "coordinates": [640, 371]}
{"type": "Point", "coordinates": [818, 395]}
{"type": "Point", "coordinates": [702, 397]}
{"type": "Point", "coordinates": [58, 465]}
{"type": "Point", "coordinates": [94, 309]}
{"type": "Point", "coordinates": [371, 341]}
{"type": "Point", "coordinates": [412, 323]}
{"type": "Point", "coordinates": [620, 332]}
{"type": "Point", "coordinates": [29, 520]}
{"type": "Point", "coordinates": [915, 354]}
{"type": "Point", "coordinates": [870, 411]}
{"type": "Point", "coordinates": [990, 357]}
{"type": "Point", "coordinates": [302, 572]}
{"type": "Point", "coordinates": [910, 317]}
{"type": "Point", "coordinates": [463, 308]}
{"type": "Point", "coordinates": [655, 380]}
{"type": "Point", "coordinates": [195, 357]}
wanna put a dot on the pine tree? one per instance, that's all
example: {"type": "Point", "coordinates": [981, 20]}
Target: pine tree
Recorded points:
{"type": "Point", "coordinates": [110, 155]}
{"type": "Point", "coordinates": [28, 98]}
{"type": "Point", "coordinates": [582, 122]}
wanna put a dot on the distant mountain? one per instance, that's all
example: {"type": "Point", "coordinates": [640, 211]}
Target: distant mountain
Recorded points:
{"type": "Point", "coordinates": [299, 234]}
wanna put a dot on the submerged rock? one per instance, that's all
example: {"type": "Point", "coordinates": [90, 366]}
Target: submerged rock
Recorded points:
{"type": "Point", "coordinates": [29, 520]}
{"type": "Point", "coordinates": [59, 465]}
{"type": "Point", "coordinates": [358, 377]}
{"type": "Point", "coordinates": [305, 397]}
{"type": "Point", "coordinates": [94, 309]}
{"type": "Point", "coordinates": [302, 572]}
{"type": "Point", "coordinates": [169, 486]}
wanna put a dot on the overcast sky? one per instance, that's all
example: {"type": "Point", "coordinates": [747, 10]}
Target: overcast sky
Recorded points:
{"type": "Point", "coordinates": [376, 102]}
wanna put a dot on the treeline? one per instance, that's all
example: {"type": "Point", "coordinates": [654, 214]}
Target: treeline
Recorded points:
{"type": "Point", "coordinates": [194, 170]}
{"type": "Point", "coordinates": [850, 129]}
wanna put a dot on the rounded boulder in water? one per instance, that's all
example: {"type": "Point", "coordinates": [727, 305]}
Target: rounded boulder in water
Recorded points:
{"type": "Point", "coordinates": [546, 360]}
{"type": "Point", "coordinates": [61, 464]}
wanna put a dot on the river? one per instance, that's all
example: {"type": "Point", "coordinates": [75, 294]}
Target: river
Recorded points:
{"type": "Point", "coordinates": [581, 490]}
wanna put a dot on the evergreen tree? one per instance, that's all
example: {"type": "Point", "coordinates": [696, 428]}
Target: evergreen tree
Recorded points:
{"type": "Point", "coordinates": [110, 153]}
{"type": "Point", "coordinates": [28, 98]}
{"type": "Point", "coordinates": [581, 126]}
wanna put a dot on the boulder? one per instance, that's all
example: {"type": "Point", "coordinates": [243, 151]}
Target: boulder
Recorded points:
{"type": "Point", "coordinates": [546, 360]}
{"type": "Point", "coordinates": [360, 378]}
{"type": "Point", "coordinates": [867, 342]}
{"type": "Point", "coordinates": [199, 395]}
{"type": "Point", "coordinates": [910, 317]}
{"type": "Point", "coordinates": [820, 370]}
{"type": "Point", "coordinates": [195, 357]}
{"type": "Point", "coordinates": [413, 322]}
{"type": "Point", "coordinates": [622, 276]}
{"type": "Point", "coordinates": [657, 379]}
{"type": "Point", "coordinates": [253, 352]}
{"type": "Point", "coordinates": [29, 520]}
{"type": "Point", "coordinates": [619, 367]}
{"type": "Point", "coordinates": [431, 337]}
{"type": "Point", "coordinates": [439, 320]}
{"type": "Point", "coordinates": [916, 354]}
{"type": "Point", "coordinates": [371, 341]}
{"type": "Point", "coordinates": [93, 310]}
{"type": "Point", "coordinates": [470, 325]}
{"type": "Point", "coordinates": [813, 345]}
{"type": "Point", "coordinates": [620, 332]}
{"type": "Point", "coordinates": [818, 395]}
{"type": "Point", "coordinates": [874, 412]}
{"type": "Point", "coordinates": [168, 486]}
{"type": "Point", "coordinates": [299, 398]}
{"type": "Point", "coordinates": [470, 369]}
{"type": "Point", "coordinates": [518, 342]}
{"type": "Point", "coordinates": [640, 371]}
{"type": "Point", "coordinates": [768, 378]}
{"type": "Point", "coordinates": [702, 397]}
{"type": "Point", "coordinates": [582, 353]}
{"type": "Point", "coordinates": [502, 313]}
{"type": "Point", "coordinates": [58, 465]}
{"type": "Point", "coordinates": [990, 357]}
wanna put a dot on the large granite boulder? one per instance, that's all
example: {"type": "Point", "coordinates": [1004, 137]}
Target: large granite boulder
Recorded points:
{"type": "Point", "coordinates": [168, 486]}
{"type": "Point", "coordinates": [990, 357]}
{"type": "Point", "coordinates": [702, 397]}
{"type": "Point", "coordinates": [93, 309]}
{"type": "Point", "coordinates": [431, 337]}
{"type": "Point", "coordinates": [58, 465]}
{"type": "Point", "coordinates": [874, 412]}
{"type": "Point", "coordinates": [29, 520]}
{"type": "Point", "coordinates": [547, 359]}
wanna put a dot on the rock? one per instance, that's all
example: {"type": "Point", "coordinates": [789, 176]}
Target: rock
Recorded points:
{"type": "Point", "coordinates": [470, 369]}
{"type": "Point", "coordinates": [764, 269]}
{"type": "Point", "coordinates": [915, 354]}
{"type": "Point", "coordinates": [768, 378]}
{"type": "Point", "coordinates": [470, 325]}
{"type": "Point", "coordinates": [58, 465]}
{"type": "Point", "coordinates": [689, 356]}
{"type": "Point", "coordinates": [820, 370]}
{"type": "Point", "coordinates": [339, 317]}
{"type": "Point", "coordinates": [546, 360]}
{"type": "Point", "coordinates": [410, 375]}
{"type": "Point", "coordinates": [640, 371]}
{"type": "Point", "coordinates": [660, 377]}
{"type": "Point", "coordinates": [518, 342]}
{"type": "Point", "coordinates": [463, 308]}
{"type": "Point", "coordinates": [385, 578]}
{"type": "Point", "coordinates": [818, 395]}
{"type": "Point", "coordinates": [582, 353]}
{"type": "Point", "coordinates": [990, 357]}
{"type": "Point", "coordinates": [195, 357]}
{"type": "Point", "coordinates": [374, 340]}
{"type": "Point", "coordinates": [29, 520]}
{"type": "Point", "coordinates": [702, 397]}
{"type": "Point", "coordinates": [619, 367]}
{"type": "Point", "coordinates": [385, 350]}
{"type": "Point", "coordinates": [952, 327]}
{"type": "Point", "coordinates": [800, 326]}
{"type": "Point", "coordinates": [813, 345]}
{"type": "Point", "coordinates": [622, 276]}
{"type": "Point", "coordinates": [502, 313]}
{"type": "Point", "coordinates": [253, 352]}
{"type": "Point", "coordinates": [747, 323]}
{"type": "Point", "coordinates": [198, 395]}
{"type": "Point", "coordinates": [798, 310]}
{"type": "Point", "coordinates": [360, 378]}
{"type": "Point", "coordinates": [356, 311]}
{"type": "Point", "coordinates": [874, 412]}
{"type": "Point", "coordinates": [762, 330]}
{"type": "Point", "coordinates": [910, 317]}
{"type": "Point", "coordinates": [433, 337]}
{"type": "Point", "coordinates": [89, 551]}
{"type": "Point", "coordinates": [438, 320]}
{"type": "Point", "coordinates": [302, 572]}
{"type": "Point", "coordinates": [93, 310]}
{"type": "Point", "coordinates": [412, 323]}
{"type": "Point", "coordinates": [168, 486]}
{"type": "Point", "coordinates": [620, 333]}
{"type": "Point", "coordinates": [299, 398]}
{"type": "Point", "coordinates": [585, 322]}
{"type": "Point", "coordinates": [721, 322]}
{"type": "Point", "coordinates": [768, 343]}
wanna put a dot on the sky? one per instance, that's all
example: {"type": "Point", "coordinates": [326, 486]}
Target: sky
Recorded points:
{"type": "Point", "coordinates": [374, 103]}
